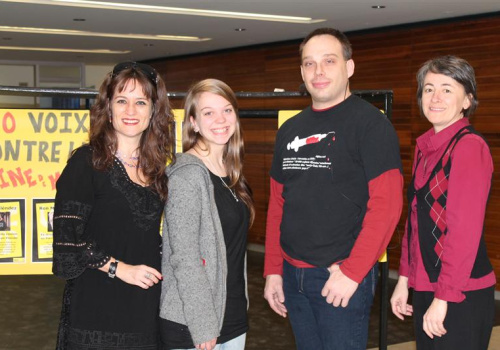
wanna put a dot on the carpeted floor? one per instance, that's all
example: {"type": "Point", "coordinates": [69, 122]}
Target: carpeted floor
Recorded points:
{"type": "Point", "coordinates": [30, 308]}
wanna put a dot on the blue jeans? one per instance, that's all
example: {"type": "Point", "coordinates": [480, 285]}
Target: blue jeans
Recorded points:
{"type": "Point", "coordinates": [237, 343]}
{"type": "Point", "coordinates": [318, 325]}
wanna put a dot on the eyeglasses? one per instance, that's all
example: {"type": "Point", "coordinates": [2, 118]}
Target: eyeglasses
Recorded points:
{"type": "Point", "coordinates": [148, 71]}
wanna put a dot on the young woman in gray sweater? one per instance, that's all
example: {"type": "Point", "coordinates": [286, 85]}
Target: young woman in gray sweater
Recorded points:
{"type": "Point", "coordinates": [210, 208]}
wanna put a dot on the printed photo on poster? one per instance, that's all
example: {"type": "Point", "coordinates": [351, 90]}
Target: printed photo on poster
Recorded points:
{"type": "Point", "coordinates": [12, 231]}
{"type": "Point", "coordinates": [50, 220]}
{"type": "Point", "coordinates": [43, 214]}
{"type": "Point", "coordinates": [4, 221]}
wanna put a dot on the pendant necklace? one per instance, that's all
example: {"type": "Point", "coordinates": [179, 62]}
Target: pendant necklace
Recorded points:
{"type": "Point", "coordinates": [122, 158]}
{"type": "Point", "coordinates": [223, 182]}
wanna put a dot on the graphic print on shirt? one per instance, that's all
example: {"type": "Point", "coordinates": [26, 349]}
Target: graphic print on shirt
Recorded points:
{"type": "Point", "coordinates": [304, 163]}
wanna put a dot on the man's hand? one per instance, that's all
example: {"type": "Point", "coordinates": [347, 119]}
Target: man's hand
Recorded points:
{"type": "Point", "coordinates": [399, 299]}
{"type": "Point", "coordinates": [434, 318]}
{"type": "Point", "coordinates": [273, 293]}
{"type": "Point", "coordinates": [339, 288]}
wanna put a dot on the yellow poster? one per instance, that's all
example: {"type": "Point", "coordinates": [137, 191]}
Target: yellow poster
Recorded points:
{"type": "Point", "coordinates": [283, 116]}
{"type": "Point", "coordinates": [34, 148]}
{"type": "Point", "coordinates": [42, 229]}
{"type": "Point", "coordinates": [12, 235]}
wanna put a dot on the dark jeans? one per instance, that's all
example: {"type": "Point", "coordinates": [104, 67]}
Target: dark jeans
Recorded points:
{"type": "Point", "coordinates": [468, 324]}
{"type": "Point", "coordinates": [318, 325]}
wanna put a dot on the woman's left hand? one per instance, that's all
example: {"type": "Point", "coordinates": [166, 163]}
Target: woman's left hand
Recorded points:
{"type": "Point", "coordinates": [140, 275]}
{"type": "Point", "coordinates": [434, 318]}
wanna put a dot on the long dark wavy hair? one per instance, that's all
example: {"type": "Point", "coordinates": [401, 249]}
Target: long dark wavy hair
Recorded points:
{"type": "Point", "coordinates": [156, 147]}
{"type": "Point", "coordinates": [234, 150]}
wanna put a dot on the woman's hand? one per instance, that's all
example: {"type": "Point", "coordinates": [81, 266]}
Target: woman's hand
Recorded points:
{"type": "Point", "coordinates": [208, 345]}
{"type": "Point", "coordinates": [434, 318]}
{"type": "Point", "coordinates": [139, 275]}
{"type": "Point", "coordinates": [399, 299]}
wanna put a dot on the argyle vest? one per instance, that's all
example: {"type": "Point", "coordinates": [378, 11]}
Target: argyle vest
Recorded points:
{"type": "Point", "coordinates": [431, 214]}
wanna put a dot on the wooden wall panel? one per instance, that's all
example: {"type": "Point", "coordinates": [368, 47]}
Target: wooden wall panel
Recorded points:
{"type": "Point", "coordinates": [259, 134]}
{"type": "Point", "coordinates": [385, 59]}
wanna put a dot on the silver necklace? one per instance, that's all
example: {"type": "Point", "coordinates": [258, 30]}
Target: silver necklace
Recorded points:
{"type": "Point", "coordinates": [230, 190]}
{"type": "Point", "coordinates": [122, 158]}
{"type": "Point", "coordinates": [223, 182]}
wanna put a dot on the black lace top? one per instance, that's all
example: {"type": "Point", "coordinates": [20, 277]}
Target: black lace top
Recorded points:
{"type": "Point", "coordinates": [98, 215]}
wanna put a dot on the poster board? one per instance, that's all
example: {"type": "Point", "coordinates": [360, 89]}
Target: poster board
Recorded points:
{"type": "Point", "coordinates": [34, 147]}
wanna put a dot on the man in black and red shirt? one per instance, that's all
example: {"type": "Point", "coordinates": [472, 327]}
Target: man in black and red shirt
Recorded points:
{"type": "Point", "coordinates": [336, 197]}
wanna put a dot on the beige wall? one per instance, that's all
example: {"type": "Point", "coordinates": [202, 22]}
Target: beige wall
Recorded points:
{"type": "Point", "coordinates": [24, 74]}
{"type": "Point", "coordinates": [15, 75]}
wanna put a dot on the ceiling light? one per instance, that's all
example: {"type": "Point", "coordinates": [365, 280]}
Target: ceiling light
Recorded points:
{"type": "Point", "coordinates": [79, 19]}
{"type": "Point", "coordinates": [378, 7]}
{"type": "Point", "coordinates": [240, 29]}
{"type": "Point", "coordinates": [170, 10]}
{"type": "Point", "coordinates": [97, 34]}
{"type": "Point", "coordinates": [21, 48]}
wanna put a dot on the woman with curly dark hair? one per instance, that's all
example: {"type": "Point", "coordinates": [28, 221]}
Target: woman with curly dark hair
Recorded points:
{"type": "Point", "coordinates": [108, 207]}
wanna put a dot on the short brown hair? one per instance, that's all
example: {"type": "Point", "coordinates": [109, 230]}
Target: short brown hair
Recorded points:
{"type": "Point", "coordinates": [456, 68]}
{"type": "Point", "coordinates": [341, 37]}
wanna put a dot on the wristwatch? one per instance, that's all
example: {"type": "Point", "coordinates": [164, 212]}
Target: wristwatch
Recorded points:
{"type": "Point", "coordinates": [112, 269]}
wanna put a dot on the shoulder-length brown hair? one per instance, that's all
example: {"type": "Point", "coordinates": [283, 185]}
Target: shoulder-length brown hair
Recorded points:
{"type": "Point", "coordinates": [156, 146]}
{"type": "Point", "coordinates": [456, 68]}
{"type": "Point", "coordinates": [233, 153]}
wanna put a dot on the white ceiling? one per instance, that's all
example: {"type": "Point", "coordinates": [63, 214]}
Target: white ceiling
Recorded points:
{"type": "Point", "coordinates": [346, 15]}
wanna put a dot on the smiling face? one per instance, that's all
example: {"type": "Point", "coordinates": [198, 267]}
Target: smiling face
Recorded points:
{"type": "Point", "coordinates": [443, 100]}
{"type": "Point", "coordinates": [215, 119]}
{"type": "Point", "coordinates": [325, 72]}
{"type": "Point", "coordinates": [131, 111]}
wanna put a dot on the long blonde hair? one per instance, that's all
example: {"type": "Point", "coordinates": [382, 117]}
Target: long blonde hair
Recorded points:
{"type": "Point", "coordinates": [233, 153]}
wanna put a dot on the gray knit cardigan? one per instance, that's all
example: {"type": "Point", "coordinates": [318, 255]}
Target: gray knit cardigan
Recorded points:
{"type": "Point", "coordinates": [194, 265]}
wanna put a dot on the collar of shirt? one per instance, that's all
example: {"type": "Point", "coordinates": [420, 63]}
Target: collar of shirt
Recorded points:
{"type": "Point", "coordinates": [430, 141]}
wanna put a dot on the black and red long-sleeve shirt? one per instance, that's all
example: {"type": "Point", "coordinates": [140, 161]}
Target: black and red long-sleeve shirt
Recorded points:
{"type": "Point", "coordinates": [336, 189]}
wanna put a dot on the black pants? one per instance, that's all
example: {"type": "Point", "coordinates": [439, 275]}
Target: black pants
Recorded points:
{"type": "Point", "coordinates": [468, 324]}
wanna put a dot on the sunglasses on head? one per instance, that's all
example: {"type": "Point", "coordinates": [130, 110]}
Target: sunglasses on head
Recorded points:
{"type": "Point", "coordinates": [144, 68]}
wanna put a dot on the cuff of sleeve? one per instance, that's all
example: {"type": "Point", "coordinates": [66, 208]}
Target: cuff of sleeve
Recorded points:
{"type": "Point", "coordinates": [206, 333]}
{"type": "Point", "coordinates": [448, 293]}
{"type": "Point", "coordinates": [404, 271]}
{"type": "Point", "coordinates": [273, 270]}
{"type": "Point", "coordinates": [356, 278]}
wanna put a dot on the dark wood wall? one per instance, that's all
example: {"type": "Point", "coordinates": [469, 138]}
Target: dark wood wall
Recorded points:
{"type": "Point", "coordinates": [385, 59]}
